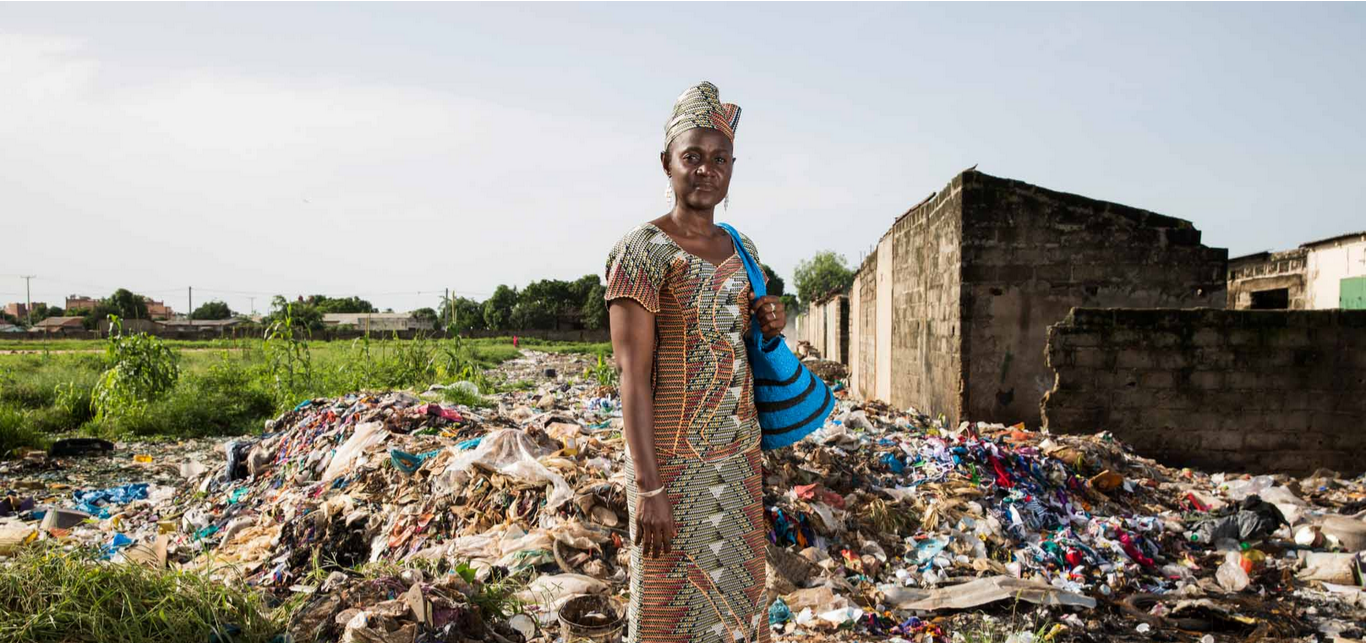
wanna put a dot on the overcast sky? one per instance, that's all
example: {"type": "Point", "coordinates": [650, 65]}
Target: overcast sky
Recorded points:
{"type": "Point", "coordinates": [392, 151]}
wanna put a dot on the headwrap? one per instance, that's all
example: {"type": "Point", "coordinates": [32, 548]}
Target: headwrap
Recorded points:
{"type": "Point", "coordinates": [701, 106]}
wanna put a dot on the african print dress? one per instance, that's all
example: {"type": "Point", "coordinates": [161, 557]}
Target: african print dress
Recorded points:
{"type": "Point", "coordinates": [710, 589]}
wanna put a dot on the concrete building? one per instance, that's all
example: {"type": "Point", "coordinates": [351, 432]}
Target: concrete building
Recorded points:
{"type": "Point", "coordinates": [373, 322]}
{"type": "Point", "coordinates": [79, 303]}
{"type": "Point", "coordinates": [20, 310]}
{"type": "Point", "coordinates": [157, 309]}
{"type": "Point", "coordinates": [1318, 275]}
{"type": "Point", "coordinates": [950, 314]}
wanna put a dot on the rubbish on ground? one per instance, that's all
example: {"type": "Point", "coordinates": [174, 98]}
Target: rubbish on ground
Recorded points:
{"type": "Point", "coordinates": [75, 447]}
{"type": "Point", "coordinates": [881, 525]}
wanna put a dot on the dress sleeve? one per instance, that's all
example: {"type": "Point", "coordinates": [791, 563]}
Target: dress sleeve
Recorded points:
{"type": "Point", "coordinates": [635, 269]}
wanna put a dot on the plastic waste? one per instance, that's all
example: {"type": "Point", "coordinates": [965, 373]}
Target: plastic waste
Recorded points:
{"type": "Point", "coordinates": [1231, 576]}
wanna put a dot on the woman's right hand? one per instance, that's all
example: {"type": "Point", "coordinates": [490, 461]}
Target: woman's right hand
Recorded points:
{"type": "Point", "coordinates": [655, 529]}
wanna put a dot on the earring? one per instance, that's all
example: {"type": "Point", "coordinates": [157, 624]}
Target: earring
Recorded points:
{"type": "Point", "coordinates": [725, 205]}
{"type": "Point", "coordinates": [669, 194]}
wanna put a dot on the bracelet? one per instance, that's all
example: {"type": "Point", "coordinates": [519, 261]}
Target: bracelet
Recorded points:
{"type": "Point", "coordinates": [650, 494]}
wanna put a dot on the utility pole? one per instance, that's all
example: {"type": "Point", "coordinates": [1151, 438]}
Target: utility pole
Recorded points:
{"type": "Point", "coordinates": [191, 308]}
{"type": "Point", "coordinates": [450, 310]}
{"type": "Point", "coordinates": [253, 305]}
{"type": "Point", "coordinates": [28, 298]}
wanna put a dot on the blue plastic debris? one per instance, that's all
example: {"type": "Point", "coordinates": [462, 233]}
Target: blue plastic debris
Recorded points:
{"type": "Point", "coordinates": [893, 463]}
{"type": "Point", "coordinates": [119, 542]}
{"type": "Point", "coordinates": [469, 444]}
{"type": "Point", "coordinates": [96, 501]}
{"type": "Point", "coordinates": [409, 463]}
{"type": "Point", "coordinates": [779, 613]}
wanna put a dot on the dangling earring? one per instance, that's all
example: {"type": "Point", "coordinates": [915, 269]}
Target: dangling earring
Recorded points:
{"type": "Point", "coordinates": [725, 205]}
{"type": "Point", "coordinates": [669, 194]}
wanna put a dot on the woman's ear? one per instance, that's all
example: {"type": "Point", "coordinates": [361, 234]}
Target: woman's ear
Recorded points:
{"type": "Point", "coordinates": [664, 161]}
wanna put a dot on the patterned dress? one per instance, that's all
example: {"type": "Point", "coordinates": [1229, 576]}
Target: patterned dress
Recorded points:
{"type": "Point", "coordinates": [706, 431]}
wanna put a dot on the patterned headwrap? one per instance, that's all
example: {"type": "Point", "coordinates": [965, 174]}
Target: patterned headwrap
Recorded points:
{"type": "Point", "coordinates": [701, 106]}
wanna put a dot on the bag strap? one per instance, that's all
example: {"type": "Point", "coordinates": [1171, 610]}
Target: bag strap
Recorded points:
{"type": "Point", "coordinates": [756, 275]}
{"type": "Point", "coordinates": [756, 278]}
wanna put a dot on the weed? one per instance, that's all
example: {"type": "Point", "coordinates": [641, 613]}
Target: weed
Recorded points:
{"type": "Point", "coordinates": [16, 432]}
{"type": "Point", "coordinates": [141, 370]}
{"type": "Point", "coordinates": [48, 595]}
{"type": "Point", "coordinates": [605, 373]}
{"type": "Point", "coordinates": [291, 362]}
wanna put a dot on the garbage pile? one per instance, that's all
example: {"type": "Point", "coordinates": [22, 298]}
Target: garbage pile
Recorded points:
{"type": "Point", "coordinates": [399, 517]}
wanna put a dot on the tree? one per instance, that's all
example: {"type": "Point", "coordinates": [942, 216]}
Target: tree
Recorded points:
{"type": "Point", "coordinates": [8, 318]}
{"type": "Point", "coordinates": [594, 309]}
{"type": "Point", "coordinates": [820, 275]}
{"type": "Point", "coordinates": [327, 305]}
{"type": "Point", "coordinates": [498, 308]}
{"type": "Point", "coordinates": [775, 283]}
{"type": "Point", "coordinates": [302, 313]}
{"type": "Point", "coordinates": [212, 310]}
{"type": "Point", "coordinates": [426, 317]}
{"type": "Point", "coordinates": [125, 304]}
{"type": "Point", "coordinates": [468, 314]}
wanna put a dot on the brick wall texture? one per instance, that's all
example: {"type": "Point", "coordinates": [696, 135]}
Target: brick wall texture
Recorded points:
{"type": "Point", "coordinates": [1235, 390]}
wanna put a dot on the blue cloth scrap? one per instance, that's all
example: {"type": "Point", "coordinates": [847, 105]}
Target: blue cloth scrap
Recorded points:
{"type": "Point", "coordinates": [119, 542]}
{"type": "Point", "coordinates": [469, 444]}
{"type": "Point", "coordinates": [409, 463]}
{"type": "Point", "coordinates": [893, 463]}
{"type": "Point", "coordinates": [96, 501]}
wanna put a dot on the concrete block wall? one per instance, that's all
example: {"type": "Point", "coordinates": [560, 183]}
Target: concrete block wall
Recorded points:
{"type": "Point", "coordinates": [1029, 255]}
{"type": "Point", "coordinates": [1235, 390]}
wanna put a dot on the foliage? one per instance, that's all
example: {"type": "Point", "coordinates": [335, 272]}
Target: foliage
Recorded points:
{"type": "Point", "coordinates": [17, 432]}
{"type": "Point", "coordinates": [498, 308]}
{"type": "Point", "coordinates": [595, 308]}
{"type": "Point", "coordinates": [426, 318]}
{"type": "Point", "coordinates": [140, 370]}
{"type": "Point", "coordinates": [820, 275]}
{"type": "Point", "coordinates": [289, 360]}
{"type": "Point", "coordinates": [225, 400]}
{"type": "Point", "coordinates": [49, 595]}
{"type": "Point", "coordinates": [212, 310]}
{"type": "Point", "coordinates": [775, 285]}
{"type": "Point", "coordinates": [605, 373]}
{"type": "Point", "coordinates": [327, 305]}
{"type": "Point", "coordinates": [303, 316]}
{"type": "Point", "coordinates": [124, 303]}
{"type": "Point", "coordinates": [468, 314]}
{"type": "Point", "coordinates": [791, 304]}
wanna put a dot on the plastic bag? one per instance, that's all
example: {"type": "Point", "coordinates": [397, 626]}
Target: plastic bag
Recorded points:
{"type": "Point", "coordinates": [512, 453]}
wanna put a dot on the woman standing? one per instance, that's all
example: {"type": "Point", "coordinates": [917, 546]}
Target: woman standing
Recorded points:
{"type": "Point", "coordinates": [680, 304]}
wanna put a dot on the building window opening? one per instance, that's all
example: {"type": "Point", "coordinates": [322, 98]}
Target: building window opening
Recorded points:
{"type": "Point", "coordinates": [1274, 299]}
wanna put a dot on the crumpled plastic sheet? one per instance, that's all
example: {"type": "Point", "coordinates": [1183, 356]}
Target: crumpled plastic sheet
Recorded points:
{"type": "Point", "coordinates": [98, 501]}
{"type": "Point", "coordinates": [510, 452]}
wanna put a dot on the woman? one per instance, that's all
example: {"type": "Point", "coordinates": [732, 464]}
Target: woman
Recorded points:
{"type": "Point", "coordinates": [680, 304]}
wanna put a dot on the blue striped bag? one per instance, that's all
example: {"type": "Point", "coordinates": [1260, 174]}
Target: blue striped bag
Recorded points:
{"type": "Point", "coordinates": [792, 402]}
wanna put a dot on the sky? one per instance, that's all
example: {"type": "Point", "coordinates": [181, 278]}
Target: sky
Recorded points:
{"type": "Point", "coordinates": [393, 151]}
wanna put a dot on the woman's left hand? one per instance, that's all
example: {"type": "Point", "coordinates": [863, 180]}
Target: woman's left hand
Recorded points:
{"type": "Point", "coordinates": [771, 314]}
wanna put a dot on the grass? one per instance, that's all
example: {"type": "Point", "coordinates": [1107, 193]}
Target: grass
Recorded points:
{"type": "Point", "coordinates": [48, 595]}
{"type": "Point", "coordinates": [229, 387]}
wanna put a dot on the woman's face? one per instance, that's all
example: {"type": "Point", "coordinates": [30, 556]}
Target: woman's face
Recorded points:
{"type": "Point", "coordinates": [699, 163]}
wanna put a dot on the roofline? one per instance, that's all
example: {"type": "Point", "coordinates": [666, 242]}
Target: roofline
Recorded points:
{"type": "Point", "coordinates": [1340, 237]}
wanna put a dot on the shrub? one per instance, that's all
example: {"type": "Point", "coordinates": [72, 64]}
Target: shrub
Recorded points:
{"type": "Point", "coordinates": [141, 370]}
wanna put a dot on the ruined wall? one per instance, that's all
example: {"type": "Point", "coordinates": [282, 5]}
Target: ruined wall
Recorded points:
{"type": "Point", "coordinates": [863, 317]}
{"type": "Point", "coordinates": [1216, 389]}
{"type": "Point", "coordinates": [1268, 271]}
{"type": "Point", "coordinates": [925, 357]}
{"type": "Point", "coordinates": [1031, 254]}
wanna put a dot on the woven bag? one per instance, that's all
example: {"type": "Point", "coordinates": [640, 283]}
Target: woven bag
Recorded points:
{"type": "Point", "coordinates": [792, 402]}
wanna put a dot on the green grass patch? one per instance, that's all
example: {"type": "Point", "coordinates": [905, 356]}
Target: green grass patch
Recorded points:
{"type": "Point", "coordinates": [48, 595]}
{"type": "Point", "coordinates": [577, 348]}
{"type": "Point", "coordinates": [17, 432]}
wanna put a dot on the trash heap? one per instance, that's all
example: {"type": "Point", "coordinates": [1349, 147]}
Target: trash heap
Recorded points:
{"type": "Point", "coordinates": [398, 517]}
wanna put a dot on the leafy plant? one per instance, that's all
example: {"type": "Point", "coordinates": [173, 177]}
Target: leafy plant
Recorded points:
{"type": "Point", "coordinates": [141, 369]}
{"type": "Point", "coordinates": [290, 361]}
{"type": "Point", "coordinates": [605, 373]}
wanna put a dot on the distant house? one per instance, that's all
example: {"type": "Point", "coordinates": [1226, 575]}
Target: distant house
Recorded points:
{"type": "Point", "coordinates": [1315, 276]}
{"type": "Point", "coordinates": [58, 324]}
{"type": "Point", "coordinates": [372, 322]}
{"type": "Point", "coordinates": [77, 303]}
{"type": "Point", "coordinates": [198, 324]}
{"type": "Point", "coordinates": [157, 309]}
{"type": "Point", "coordinates": [10, 328]}
{"type": "Point", "coordinates": [17, 310]}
